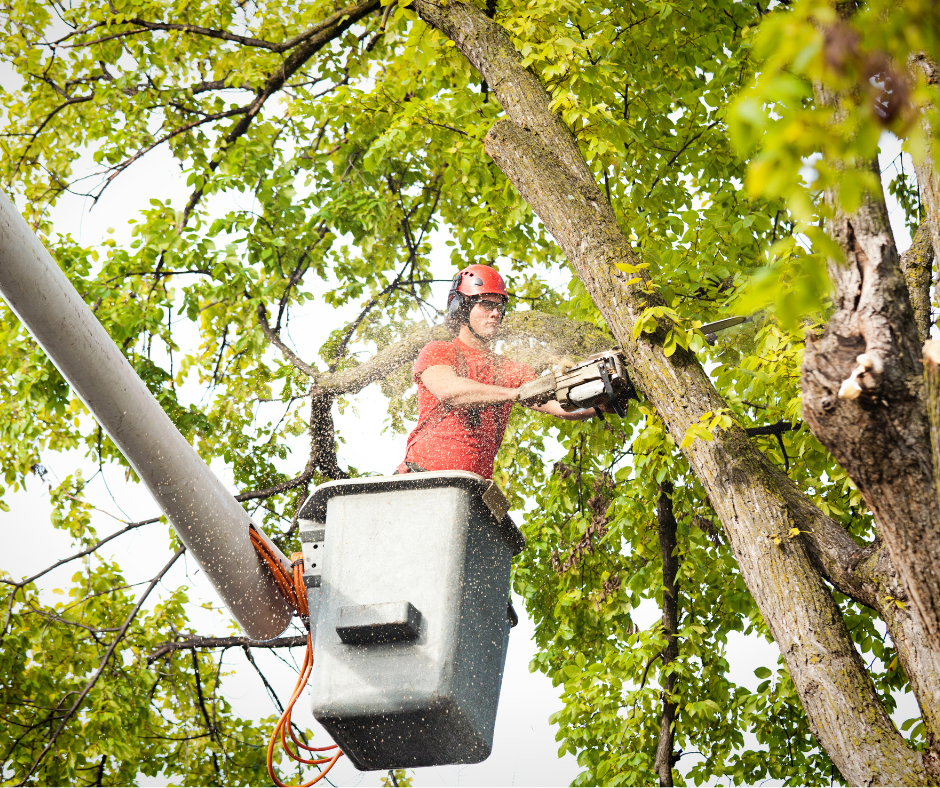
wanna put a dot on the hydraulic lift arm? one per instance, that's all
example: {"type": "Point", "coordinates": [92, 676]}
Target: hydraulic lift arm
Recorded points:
{"type": "Point", "coordinates": [211, 523]}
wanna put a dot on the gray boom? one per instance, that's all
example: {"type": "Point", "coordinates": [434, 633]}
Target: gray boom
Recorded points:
{"type": "Point", "coordinates": [211, 523]}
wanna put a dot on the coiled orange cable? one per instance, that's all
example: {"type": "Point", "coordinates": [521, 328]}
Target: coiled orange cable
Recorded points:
{"type": "Point", "coordinates": [296, 595]}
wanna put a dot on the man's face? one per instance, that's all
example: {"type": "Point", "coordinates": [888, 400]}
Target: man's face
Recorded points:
{"type": "Point", "coordinates": [486, 315]}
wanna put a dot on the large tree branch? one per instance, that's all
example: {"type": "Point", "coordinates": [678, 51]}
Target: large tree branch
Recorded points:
{"type": "Point", "coordinates": [231, 642]}
{"type": "Point", "coordinates": [323, 434]}
{"type": "Point", "coordinates": [541, 158]}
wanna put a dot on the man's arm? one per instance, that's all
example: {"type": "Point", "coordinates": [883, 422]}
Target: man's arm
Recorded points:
{"type": "Point", "coordinates": [457, 392]}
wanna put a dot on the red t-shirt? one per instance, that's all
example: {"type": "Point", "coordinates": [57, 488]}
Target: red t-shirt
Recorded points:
{"type": "Point", "coordinates": [448, 439]}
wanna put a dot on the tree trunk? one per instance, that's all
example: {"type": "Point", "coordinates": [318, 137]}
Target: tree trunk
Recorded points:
{"type": "Point", "coordinates": [665, 757]}
{"type": "Point", "coordinates": [863, 393]}
{"type": "Point", "coordinates": [541, 158]}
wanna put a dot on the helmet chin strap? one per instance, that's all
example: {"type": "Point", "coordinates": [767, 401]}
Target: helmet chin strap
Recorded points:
{"type": "Point", "coordinates": [478, 336]}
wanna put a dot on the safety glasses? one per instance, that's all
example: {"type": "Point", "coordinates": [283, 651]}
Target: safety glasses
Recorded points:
{"type": "Point", "coordinates": [492, 306]}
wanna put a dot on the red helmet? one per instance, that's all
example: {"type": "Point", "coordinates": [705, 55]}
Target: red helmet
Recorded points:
{"type": "Point", "coordinates": [471, 283]}
{"type": "Point", "coordinates": [477, 280]}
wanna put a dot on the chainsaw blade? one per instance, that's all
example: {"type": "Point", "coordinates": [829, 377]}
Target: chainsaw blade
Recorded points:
{"type": "Point", "coordinates": [721, 325]}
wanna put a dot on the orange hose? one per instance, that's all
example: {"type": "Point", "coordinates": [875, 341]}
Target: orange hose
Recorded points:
{"type": "Point", "coordinates": [296, 595]}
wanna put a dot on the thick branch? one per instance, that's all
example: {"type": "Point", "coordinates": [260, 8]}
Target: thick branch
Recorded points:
{"type": "Point", "coordinates": [323, 435]}
{"type": "Point", "coordinates": [232, 642]}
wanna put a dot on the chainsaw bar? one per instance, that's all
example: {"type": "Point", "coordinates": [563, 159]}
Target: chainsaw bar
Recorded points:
{"type": "Point", "coordinates": [721, 325]}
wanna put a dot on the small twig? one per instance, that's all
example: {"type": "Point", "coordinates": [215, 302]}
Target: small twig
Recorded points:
{"type": "Point", "coordinates": [647, 669]}
{"type": "Point", "coordinates": [772, 429]}
{"type": "Point", "coordinates": [677, 154]}
{"type": "Point", "coordinates": [202, 702]}
{"type": "Point", "coordinates": [82, 554]}
{"type": "Point", "coordinates": [290, 484]}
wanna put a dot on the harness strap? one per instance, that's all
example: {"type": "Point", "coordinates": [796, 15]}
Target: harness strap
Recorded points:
{"type": "Point", "coordinates": [474, 414]}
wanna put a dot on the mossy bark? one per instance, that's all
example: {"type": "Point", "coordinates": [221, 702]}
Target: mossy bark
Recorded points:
{"type": "Point", "coordinates": [928, 178]}
{"type": "Point", "coordinates": [917, 267]}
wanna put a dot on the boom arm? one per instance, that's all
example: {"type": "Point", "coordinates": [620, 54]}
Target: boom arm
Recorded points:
{"type": "Point", "coordinates": [210, 522]}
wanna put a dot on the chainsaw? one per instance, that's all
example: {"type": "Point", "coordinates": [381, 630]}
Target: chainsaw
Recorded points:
{"type": "Point", "coordinates": [598, 380]}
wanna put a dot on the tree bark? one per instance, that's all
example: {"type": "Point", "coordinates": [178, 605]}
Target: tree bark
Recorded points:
{"type": "Point", "coordinates": [665, 757]}
{"type": "Point", "coordinates": [931, 354]}
{"type": "Point", "coordinates": [928, 179]}
{"type": "Point", "coordinates": [866, 574]}
{"type": "Point", "coordinates": [863, 393]}
{"type": "Point", "coordinates": [541, 158]}
{"type": "Point", "coordinates": [917, 267]}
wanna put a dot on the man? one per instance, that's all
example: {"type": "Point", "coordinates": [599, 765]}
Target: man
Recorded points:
{"type": "Point", "coordinates": [465, 390]}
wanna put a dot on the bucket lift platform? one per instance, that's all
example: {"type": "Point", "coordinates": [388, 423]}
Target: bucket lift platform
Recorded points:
{"type": "Point", "coordinates": [408, 584]}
